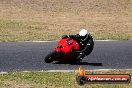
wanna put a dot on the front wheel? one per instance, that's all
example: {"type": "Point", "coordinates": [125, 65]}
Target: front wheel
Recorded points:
{"type": "Point", "coordinates": [50, 57]}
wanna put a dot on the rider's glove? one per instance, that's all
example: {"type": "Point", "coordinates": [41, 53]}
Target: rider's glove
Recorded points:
{"type": "Point", "coordinates": [81, 53]}
{"type": "Point", "coordinates": [78, 53]}
{"type": "Point", "coordinates": [64, 36]}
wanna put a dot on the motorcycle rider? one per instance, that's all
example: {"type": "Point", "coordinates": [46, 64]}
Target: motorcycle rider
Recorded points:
{"type": "Point", "coordinates": [85, 40]}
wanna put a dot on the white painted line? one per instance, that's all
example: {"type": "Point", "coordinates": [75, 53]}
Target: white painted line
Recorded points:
{"type": "Point", "coordinates": [3, 72]}
{"type": "Point", "coordinates": [106, 40]}
{"type": "Point", "coordinates": [70, 70]}
{"type": "Point", "coordinates": [60, 70]}
{"type": "Point", "coordinates": [85, 70]}
{"type": "Point", "coordinates": [39, 41]}
{"type": "Point", "coordinates": [58, 40]}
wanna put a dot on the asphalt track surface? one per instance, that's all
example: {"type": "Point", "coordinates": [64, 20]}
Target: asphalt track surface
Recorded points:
{"type": "Point", "coordinates": [29, 56]}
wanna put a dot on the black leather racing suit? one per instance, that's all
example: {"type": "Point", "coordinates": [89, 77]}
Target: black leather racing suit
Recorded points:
{"type": "Point", "coordinates": [86, 45]}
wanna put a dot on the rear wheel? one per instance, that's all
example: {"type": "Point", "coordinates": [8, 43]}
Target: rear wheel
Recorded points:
{"type": "Point", "coordinates": [50, 57]}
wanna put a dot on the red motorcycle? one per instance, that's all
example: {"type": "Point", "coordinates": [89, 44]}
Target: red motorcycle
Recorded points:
{"type": "Point", "coordinates": [63, 52]}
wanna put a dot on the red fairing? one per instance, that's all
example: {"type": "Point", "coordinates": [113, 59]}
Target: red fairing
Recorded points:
{"type": "Point", "coordinates": [58, 50]}
{"type": "Point", "coordinates": [63, 51]}
{"type": "Point", "coordinates": [66, 45]}
{"type": "Point", "coordinates": [75, 45]}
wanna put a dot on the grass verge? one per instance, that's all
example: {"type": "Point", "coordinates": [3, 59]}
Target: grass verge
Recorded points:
{"type": "Point", "coordinates": [12, 30]}
{"type": "Point", "coordinates": [54, 80]}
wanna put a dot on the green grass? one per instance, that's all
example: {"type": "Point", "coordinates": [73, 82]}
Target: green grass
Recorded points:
{"type": "Point", "coordinates": [11, 30]}
{"type": "Point", "coordinates": [54, 80]}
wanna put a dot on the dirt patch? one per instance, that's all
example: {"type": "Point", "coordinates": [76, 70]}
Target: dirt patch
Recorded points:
{"type": "Point", "coordinates": [105, 19]}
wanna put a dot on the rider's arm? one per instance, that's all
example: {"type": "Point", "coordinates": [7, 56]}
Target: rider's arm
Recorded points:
{"type": "Point", "coordinates": [88, 48]}
{"type": "Point", "coordinates": [70, 36]}
{"type": "Point", "coordinates": [64, 36]}
{"type": "Point", "coordinates": [74, 37]}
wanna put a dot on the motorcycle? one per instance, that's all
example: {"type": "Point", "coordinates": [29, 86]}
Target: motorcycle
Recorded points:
{"type": "Point", "coordinates": [63, 51]}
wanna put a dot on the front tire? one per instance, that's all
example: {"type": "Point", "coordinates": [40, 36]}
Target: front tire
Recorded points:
{"type": "Point", "coordinates": [50, 57]}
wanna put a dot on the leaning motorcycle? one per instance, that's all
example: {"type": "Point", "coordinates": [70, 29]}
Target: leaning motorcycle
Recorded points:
{"type": "Point", "coordinates": [63, 51]}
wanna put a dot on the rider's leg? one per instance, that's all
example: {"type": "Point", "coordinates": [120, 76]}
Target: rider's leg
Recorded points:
{"type": "Point", "coordinates": [79, 56]}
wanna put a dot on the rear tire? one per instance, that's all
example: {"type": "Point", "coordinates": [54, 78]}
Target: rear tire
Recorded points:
{"type": "Point", "coordinates": [50, 57]}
